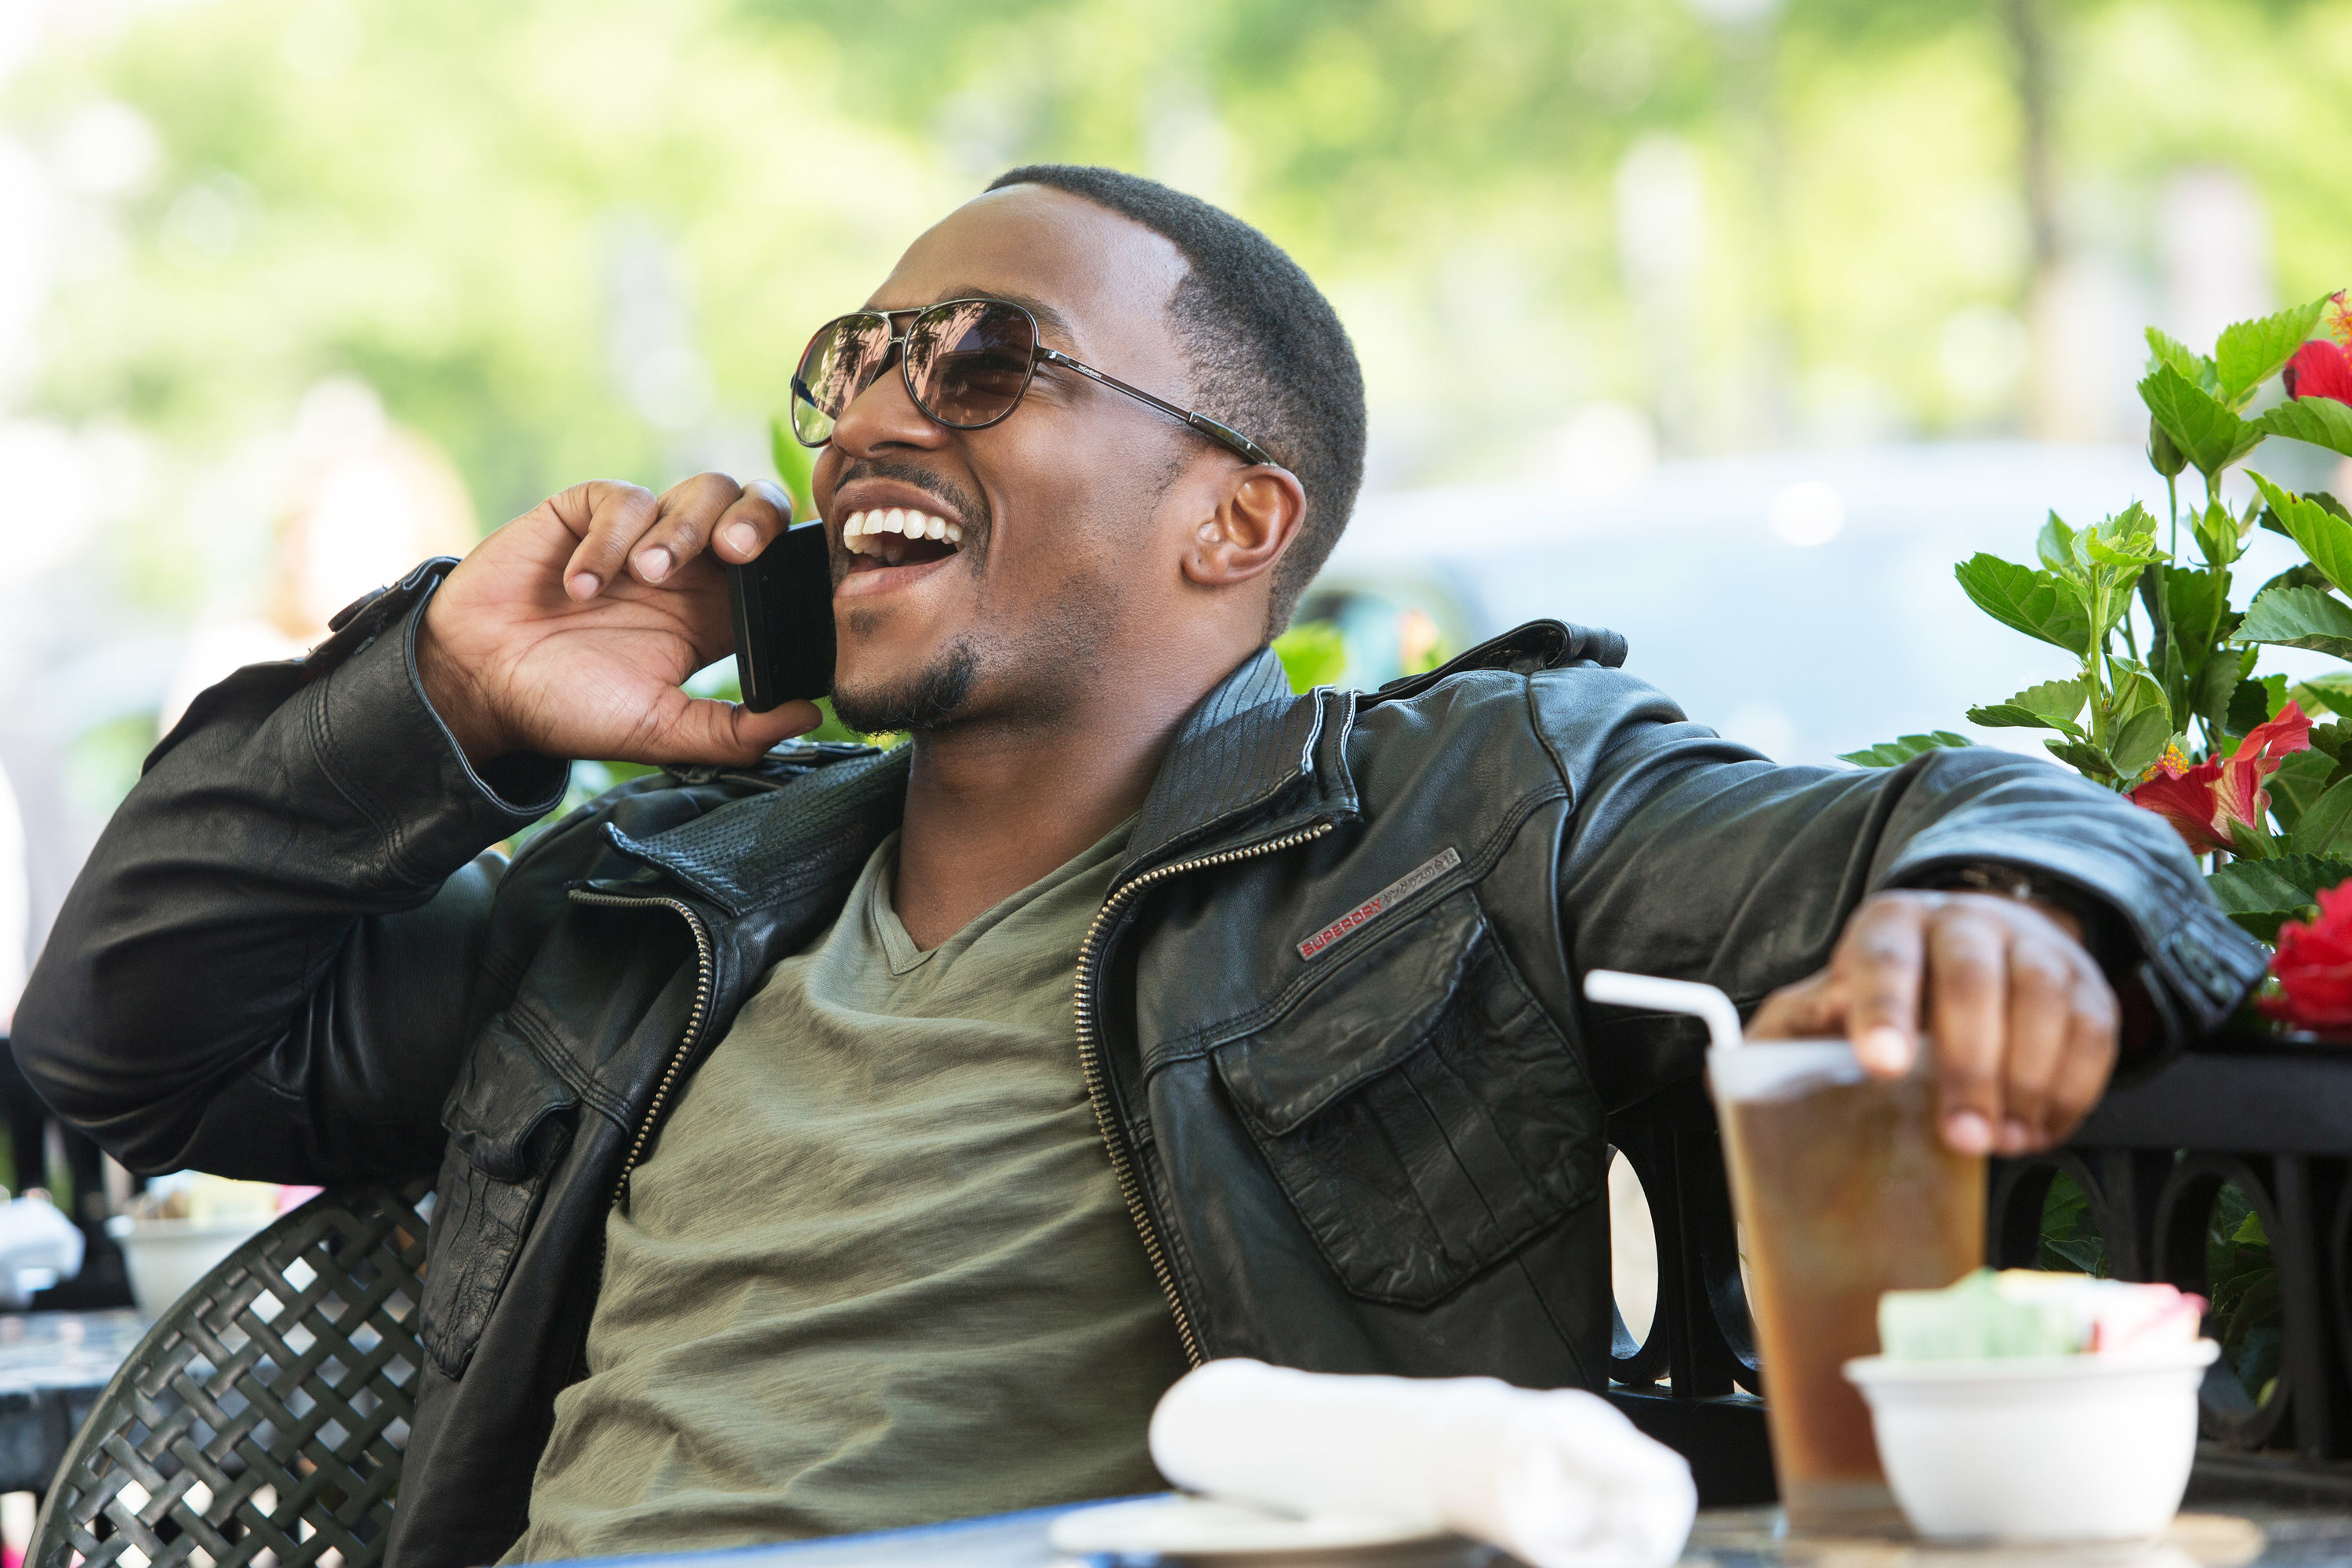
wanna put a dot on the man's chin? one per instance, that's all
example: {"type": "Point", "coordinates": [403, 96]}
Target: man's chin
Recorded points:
{"type": "Point", "coordinates": [930, 699]}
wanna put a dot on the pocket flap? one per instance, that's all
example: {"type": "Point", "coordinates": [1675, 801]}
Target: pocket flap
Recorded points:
{"type": "Point", "coordinates": [1367, 1016]}
{"type": "Point", "coordinates": [509, 1113]}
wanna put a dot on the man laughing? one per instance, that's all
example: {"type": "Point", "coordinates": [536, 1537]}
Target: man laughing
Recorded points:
{"type": "Point", "coordinates": [829, 1140]}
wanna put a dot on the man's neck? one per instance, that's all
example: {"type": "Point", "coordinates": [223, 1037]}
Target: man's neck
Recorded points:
{"type": "Point", "coordinates": [992, 809]}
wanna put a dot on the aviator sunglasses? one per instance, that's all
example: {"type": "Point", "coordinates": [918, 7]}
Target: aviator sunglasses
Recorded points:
{"type": "Point", "coordinates": [967, 364]}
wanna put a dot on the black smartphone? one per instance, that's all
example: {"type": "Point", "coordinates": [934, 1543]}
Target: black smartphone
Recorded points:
{"type": "Point", "coordinates": [783, 619]}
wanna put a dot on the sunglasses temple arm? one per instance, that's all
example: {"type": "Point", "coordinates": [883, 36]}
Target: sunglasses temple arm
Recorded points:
{"type": "Point", "coordinates": [1223, 435]}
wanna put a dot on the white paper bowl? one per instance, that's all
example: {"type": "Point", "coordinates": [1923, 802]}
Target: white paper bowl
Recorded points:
{"type": "Point", "coordinates": [166, 1258]}
{"type": "Point", "coordinates": [2037, 1448]}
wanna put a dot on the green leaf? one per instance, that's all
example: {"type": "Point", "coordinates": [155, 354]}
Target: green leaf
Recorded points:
{"type": "Point", "coordinates": [2135, 690]}
{"type": "Point", "coordinates": [2250, 704]}
{"type": "Point", "coordinates": [2131, 551]}
{"type": "Point", "coordinates": [2251, 353]}
{"type": "Point", "coordinates": [2164, 350]}
{"type": "Point", "coordinates": [2320, 421]}
{"type": "Point", "coordinates": [2038, 604]}
{"type": "Point", "coordinates": [2217, 682]}
{"type": "Point", "coordinates": [2304, 575]}
{"type": "Point", "coordinates": [2300, 617]}
{"type": "Point", "coordinates": [2141, 741]}
{"type": "Point", "coordinates": [2322, 535]}
{"type": "Point", "coordinates": [2259, 894]}
{"type": "Point", "coordinates": [2198, 599]}
{"type": "Point", "coordinates": [2302, 778]}
{"type": "Point", "coordinates": [2084, 758]}
{"type": "Point", "coordinates": [2125, 539]}
{"type": "Point", "coordinates": [2055, 545]}
{"type": "Point", "coordinates": [2330, 693]}
{"type": "Point", "coordinates": [2212, 435]}
{"type": "Point", "coordinates": [2053, 705]}
{"type": "Point", "coordinates": [2325, 826]}
{"type": "Point", "coordinates": [1895, 752]}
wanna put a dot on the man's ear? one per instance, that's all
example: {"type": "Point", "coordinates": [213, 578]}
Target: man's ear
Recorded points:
{"type": "Point", "coordinates": [1253, 523]}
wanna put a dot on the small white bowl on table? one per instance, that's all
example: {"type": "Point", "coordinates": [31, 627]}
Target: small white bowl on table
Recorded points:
{"type": "Point", "coordinates": [166, 1258]}
{"type": "Point", "coordinates": [2037, 1448]}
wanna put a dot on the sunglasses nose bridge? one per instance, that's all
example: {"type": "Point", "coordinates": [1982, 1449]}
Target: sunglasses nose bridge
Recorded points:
{"type": "Point", "coordinates": [885, 411]}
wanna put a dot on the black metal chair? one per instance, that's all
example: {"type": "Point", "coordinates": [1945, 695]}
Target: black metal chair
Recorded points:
{"type": "Point", "coordinates": [267, 1411]}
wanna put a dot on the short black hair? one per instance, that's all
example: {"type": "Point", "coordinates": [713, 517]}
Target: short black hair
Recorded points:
{"type": "Point", "coordinates": [1268, 354]}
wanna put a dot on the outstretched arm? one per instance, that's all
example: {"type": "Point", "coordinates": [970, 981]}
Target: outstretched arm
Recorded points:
{"type": "Point", "coordinates": [1694, 858]}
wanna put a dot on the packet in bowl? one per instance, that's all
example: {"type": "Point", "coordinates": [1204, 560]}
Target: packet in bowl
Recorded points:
{"type": "Point", "coordinates": [2024, 1406]}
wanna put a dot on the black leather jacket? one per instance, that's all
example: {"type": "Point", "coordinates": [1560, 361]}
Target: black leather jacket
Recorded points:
{"type": "Point", "coordinates": [1329, 1014]}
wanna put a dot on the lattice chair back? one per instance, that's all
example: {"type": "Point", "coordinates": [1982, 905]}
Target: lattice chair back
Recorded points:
{"type": "Point", "coordinates": [263, 1418]}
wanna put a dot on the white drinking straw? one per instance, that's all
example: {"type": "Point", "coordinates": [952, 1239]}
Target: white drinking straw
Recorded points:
{"type": "Point", "coordinates": [1622, 990]}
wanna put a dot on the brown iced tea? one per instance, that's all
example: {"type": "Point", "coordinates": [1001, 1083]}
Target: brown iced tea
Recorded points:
{"type": "Point", "coordinates": [1846, 1190]}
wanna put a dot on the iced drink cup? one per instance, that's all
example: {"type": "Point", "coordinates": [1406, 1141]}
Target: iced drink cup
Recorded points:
{"type": "Point", "coordinates": [1845, 1189]}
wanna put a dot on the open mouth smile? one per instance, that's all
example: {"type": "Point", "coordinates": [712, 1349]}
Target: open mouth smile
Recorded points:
{"type": "Point", "coordinates": [899, 536]}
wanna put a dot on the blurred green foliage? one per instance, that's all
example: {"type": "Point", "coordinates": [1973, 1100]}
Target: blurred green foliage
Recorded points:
{"type": "Point", "coordinates": [1313, 653]}
{"type": "Point", "coordinates": [2071, 1242]}
{"type": "Point", "coordinates": [566, 240]}
{"type": "Point", "coordinates": [432, 195]}
{"type": "Point", "coordinates": [2246, 1308]}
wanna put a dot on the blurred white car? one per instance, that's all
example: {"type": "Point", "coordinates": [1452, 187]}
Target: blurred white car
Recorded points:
{"type": "Point", "coordinates": [1801, 602]}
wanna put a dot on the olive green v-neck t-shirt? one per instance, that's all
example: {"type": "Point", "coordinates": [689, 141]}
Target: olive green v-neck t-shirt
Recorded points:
{"type": "Point", "coordinates": [876, 1271]}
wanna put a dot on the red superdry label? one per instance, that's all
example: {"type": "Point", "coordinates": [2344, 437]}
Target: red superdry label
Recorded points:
{"type": "Point", "coordinates": [1379, 903]}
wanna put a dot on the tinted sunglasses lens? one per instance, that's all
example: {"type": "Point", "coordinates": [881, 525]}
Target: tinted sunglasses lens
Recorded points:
{"type": "Point", "coordinates": [839, 363]}
{"type": "Point", "coordinates": [968, 362]}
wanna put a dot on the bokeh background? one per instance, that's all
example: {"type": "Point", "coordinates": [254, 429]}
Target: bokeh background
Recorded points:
{"type": "Point", "coordinates": [1728, 323]}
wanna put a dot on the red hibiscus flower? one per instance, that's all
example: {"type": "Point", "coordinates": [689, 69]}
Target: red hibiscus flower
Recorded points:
{"type": "Point", "coordinates": [2313, 965]}
{"type": "Point", "coordinates": [2205, 803]}
{"type": "Point", "coordinates": [2321, 369]}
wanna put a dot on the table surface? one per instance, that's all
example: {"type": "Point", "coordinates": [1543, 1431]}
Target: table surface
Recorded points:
{"type": "Point", "coordinates": [62, 1353]}
{"type": "Point", "coordinates": [65, 1350]}
{"type": "Point", "coordinates": [1726, 1538]}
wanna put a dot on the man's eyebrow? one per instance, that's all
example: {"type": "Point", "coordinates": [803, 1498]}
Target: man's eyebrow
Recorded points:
{"type": "Point", "coordinates": [1048, 318]}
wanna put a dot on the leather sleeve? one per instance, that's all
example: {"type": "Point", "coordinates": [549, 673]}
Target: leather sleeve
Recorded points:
{"type": "Point", "coordinates": [1690, 855]}
{"type": "Point", "coordinates": [264, 969]}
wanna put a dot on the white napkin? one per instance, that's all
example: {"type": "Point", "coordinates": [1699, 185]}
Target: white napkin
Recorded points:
{"type": "Point", "coordinates": [38, 1246]}
{"type": "Point", "coordinates": [1559, 1480]}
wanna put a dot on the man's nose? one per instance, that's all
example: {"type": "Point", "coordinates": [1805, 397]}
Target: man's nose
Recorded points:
{"type": "Point", "coordinates": [882, 417]}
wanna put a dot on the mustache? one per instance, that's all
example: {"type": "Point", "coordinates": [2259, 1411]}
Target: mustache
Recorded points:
{"type": "Point", "coordinates": [967, 505]}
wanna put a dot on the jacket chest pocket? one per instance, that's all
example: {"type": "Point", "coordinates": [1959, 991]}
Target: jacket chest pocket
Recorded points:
{"type": "Point", "coordinates": [510, 1119]}
{"type": "Point", "coordinates": [1425, 1117]}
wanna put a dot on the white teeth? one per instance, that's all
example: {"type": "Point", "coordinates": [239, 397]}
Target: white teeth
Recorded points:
{"type": "Point", "coordinates": [862, 534]}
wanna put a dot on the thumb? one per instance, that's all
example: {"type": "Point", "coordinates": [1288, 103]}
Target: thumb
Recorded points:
{"type": "Point", "coordinates": [706, 730]}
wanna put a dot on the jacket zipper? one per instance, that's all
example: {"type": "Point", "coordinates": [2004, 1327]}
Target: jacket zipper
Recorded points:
{"type": "Point", "coordinates": [705, 978]}
{"type": "Point", "coordinates": [1090, 1060]}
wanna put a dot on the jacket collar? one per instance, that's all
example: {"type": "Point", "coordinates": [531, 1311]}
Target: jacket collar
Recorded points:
{"type": "Point", "coordinates": [807, 838]}
{"type": "Point", "coordinates": [1251, 745]}
{"type": "Point", "coordinates": [1248, 748]}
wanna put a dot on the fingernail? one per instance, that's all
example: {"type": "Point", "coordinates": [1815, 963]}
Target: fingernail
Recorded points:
{"type": "Point", "coordinates": [743, 537]}
{"type": "Point", "coordinates": [1968, 1132]}
{"type": "Point", "coordinates": [583, 586]}
{"type": "Point", "coordinates": [1883, 1048]}
{"type": "Point", "coordinates": [2016, 1138]}
{"type": "Point", "coordinates": [652, 564]}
